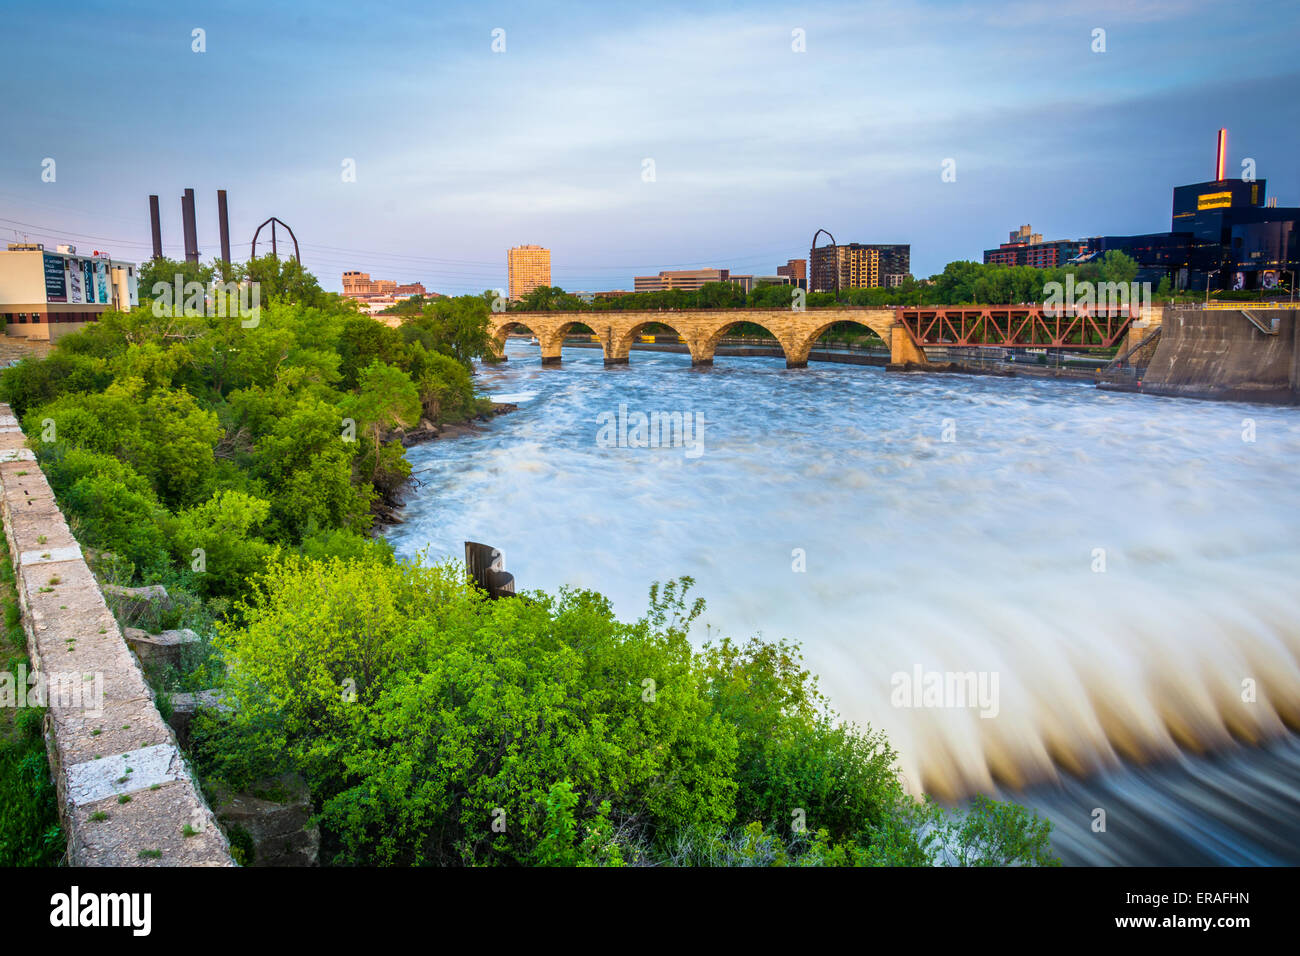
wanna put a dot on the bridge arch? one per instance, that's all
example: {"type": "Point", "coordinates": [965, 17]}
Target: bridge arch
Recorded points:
{"type": "Point", "coordinates": [502, 326]}
{"type": "Point", "coordinates": [709, 343]}
{"type": "Point", "coordinates": [623, 334]}
{"type": "Point", "coordinates": [564, 328]}
{"type": "Point", "coordinates": [872, 320]}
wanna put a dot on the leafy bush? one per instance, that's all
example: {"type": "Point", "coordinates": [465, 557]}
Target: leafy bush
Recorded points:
{"type": "Point", "coordinates": [109, 514]}
{"type": "Point", "coordinates": [30, 834]}
{"type": "Point", "coordinates": [435, 726]}
{"type": "Point", "coordinates": [219, 535]}
{"type": "Point", "coordinates": [142, 420]}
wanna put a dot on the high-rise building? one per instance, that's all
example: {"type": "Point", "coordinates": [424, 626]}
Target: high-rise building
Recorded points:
{"type": "Point", "coordinates": [895, 262]}
{"type": "Point", "coordinates": [528, 268]}
{"type": "Point", "coordinates": [796, 270]}
{"type": "Point", "coordinates": [858, 266]}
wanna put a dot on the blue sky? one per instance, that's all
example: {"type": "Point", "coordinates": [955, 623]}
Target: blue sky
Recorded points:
{"type": "Point", "coordinates": [461, 152]}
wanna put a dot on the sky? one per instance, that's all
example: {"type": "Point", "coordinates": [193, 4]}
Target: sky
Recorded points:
{"type": "Point", "coordinates": [630, 138]}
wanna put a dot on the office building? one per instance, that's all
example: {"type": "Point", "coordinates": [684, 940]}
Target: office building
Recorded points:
{"type": "Point", "coordinates": [688, 280]}
{"type": "Point", "coordinates": [748, 283]}
{"type": "Point", "coordinates": [45, 295]}
{"type": "Point", "coordinates": [796, 270]}
{"type": "Point", "coordinates": [1027, 248]}
{"type": "Point", "coordinates": [359, 286]}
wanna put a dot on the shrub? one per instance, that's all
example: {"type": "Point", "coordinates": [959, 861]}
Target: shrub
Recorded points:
{"type": "Point", "coordinates": [108, 514]}
{"type": "Point", "coordinates": [436, 726]}
{"type": "Point", "coordinates": [223, 529]}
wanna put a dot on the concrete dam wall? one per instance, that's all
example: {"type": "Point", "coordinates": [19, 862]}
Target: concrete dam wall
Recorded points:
{"type": "Point", "coordinates": [1245, 355]}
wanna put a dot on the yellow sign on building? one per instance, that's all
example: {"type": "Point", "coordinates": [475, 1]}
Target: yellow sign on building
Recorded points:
{"type": "Point", "coordinates": [1213, 201]}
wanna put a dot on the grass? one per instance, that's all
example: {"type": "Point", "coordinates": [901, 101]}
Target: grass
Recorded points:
{"type": "Point", "coordinates": [30, 834]}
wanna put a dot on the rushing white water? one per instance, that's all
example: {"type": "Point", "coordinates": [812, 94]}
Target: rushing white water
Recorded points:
{"type": "Point", "coordinates": [1119, 564]}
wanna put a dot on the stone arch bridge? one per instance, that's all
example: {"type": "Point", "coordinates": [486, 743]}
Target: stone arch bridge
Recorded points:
{"type": "Point", "coordinates": [906, 331]}
{"type": "Point", "coordinates": [701, 330]}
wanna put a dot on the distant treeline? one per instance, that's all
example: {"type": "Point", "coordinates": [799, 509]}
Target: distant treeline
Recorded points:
{"type": "Point", "coordinates": [959, 283]}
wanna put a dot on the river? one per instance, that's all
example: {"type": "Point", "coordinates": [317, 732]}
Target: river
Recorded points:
{"type": "Point", "coordinates": [1113, 575]}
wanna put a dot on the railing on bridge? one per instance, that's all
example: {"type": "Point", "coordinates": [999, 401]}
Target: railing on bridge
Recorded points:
{"type": "Point", "coordinates": [1256, 304]}
{"type": "Point", "coordinates": [1017, 326]}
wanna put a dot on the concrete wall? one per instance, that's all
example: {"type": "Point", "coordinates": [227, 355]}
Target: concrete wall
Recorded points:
{"type": "Point", "coordinates": [1219, 354]}
{"type": "Point", "coordinates": [102, 746]}
{"type": "Point", "coordinates": [22, 277]}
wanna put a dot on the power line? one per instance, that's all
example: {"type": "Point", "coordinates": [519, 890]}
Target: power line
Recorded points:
{"type": "Point", "coordinates": [466, 274]}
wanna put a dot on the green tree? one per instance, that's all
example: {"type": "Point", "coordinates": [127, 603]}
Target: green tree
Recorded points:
{"type": "Point", "coordinates": [217, 539]}
{"type": "Point", "coordinates": [156, 273]}
{"type": "Point", "coordinates": [284, 279]}
{"type": "Point", "coordinates": [386, 399]}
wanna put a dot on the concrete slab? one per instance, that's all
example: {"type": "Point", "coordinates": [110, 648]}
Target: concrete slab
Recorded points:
{"type": "Point", "coordinates": [94, 780]}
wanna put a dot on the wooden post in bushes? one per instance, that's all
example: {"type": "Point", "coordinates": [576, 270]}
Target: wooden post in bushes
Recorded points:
{"type": "Point", "coordinates": [486, 567]}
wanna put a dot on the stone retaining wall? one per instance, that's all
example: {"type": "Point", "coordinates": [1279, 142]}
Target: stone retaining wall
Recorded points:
{"type": "Point", "coordinates": [123, 786]}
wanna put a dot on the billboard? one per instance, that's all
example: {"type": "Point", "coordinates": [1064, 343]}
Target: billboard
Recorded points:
{"type": "Point", "coordinates": [101, 281]}
{"type": "Point", "coordinates": [76, 289]}
{"type": "Point", "coordinates": [56, 289]}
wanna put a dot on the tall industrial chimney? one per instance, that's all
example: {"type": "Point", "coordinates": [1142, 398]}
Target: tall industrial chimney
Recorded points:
{"type": "Point", "coordinates": [1221, 160]}
{"type": "Point", "coordinates": [155, 223]}
{"type": "Point", "coordinates": [223, 223]}
{"type": "Point", "coordinates": [191, 228]}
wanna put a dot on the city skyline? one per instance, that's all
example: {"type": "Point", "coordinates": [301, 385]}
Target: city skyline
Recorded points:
{"type": "Point", "coordinates": [1041, 129]}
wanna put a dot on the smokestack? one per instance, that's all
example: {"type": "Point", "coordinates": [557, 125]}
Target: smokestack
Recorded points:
{"type": "Point", "coordinates": [223, 223]}
{"type": "Point", "coordinates": [155, 223]}
{"type": "Point", "coordinates": [191, 229]}
{"type": "Point", "coordinates": [1221, 160]}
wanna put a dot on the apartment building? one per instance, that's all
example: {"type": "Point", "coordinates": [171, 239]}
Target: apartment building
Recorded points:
{"type": "Point", "coordinates": [527, 267]}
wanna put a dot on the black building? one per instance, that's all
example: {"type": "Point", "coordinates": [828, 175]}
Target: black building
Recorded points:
{"type": "Point", "coordinates": [895, 260]}
{"type": "Point", "coordinates": [1222, 235]}
{"type": "Point", "coordinates": [1158, 254]}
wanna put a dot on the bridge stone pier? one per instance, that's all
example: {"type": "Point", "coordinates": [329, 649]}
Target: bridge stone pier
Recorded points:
{"type": "Point", "coordinates": [702, 330]}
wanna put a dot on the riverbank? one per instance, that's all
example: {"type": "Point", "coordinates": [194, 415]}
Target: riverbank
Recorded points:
{"type": "Point", "coordinates": [387, 511]}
